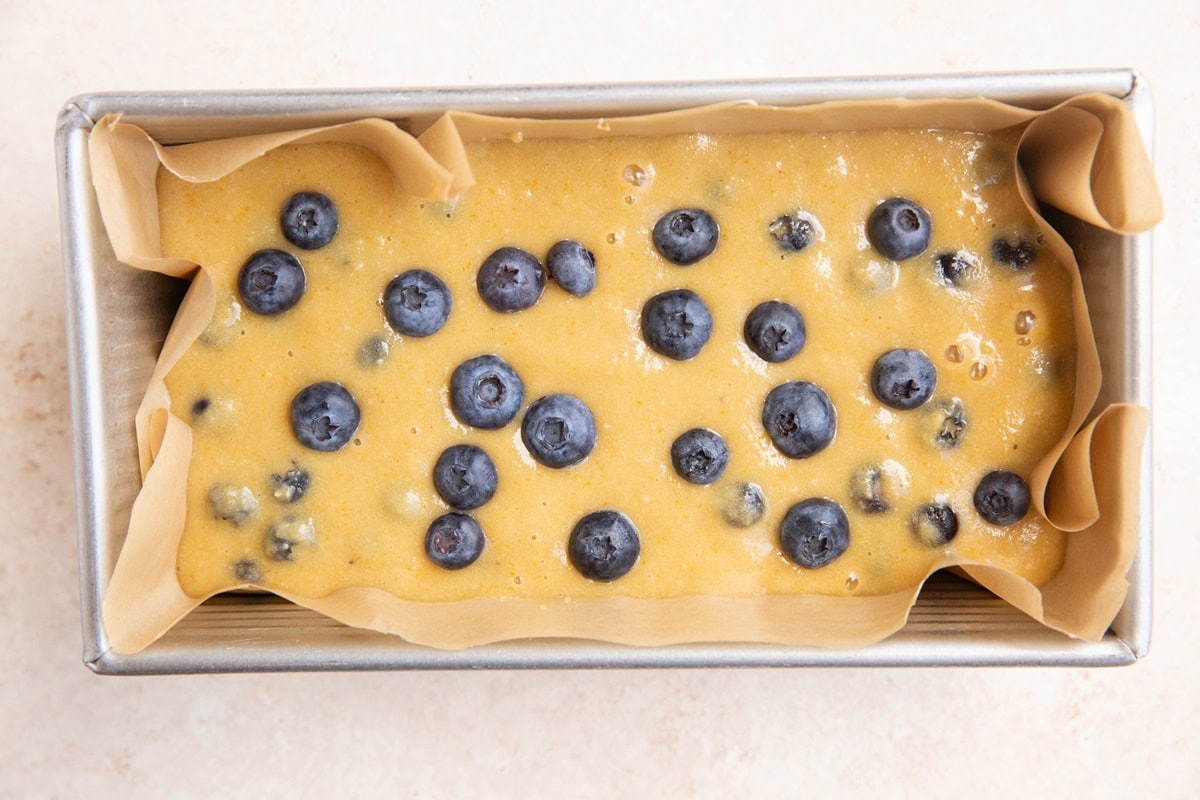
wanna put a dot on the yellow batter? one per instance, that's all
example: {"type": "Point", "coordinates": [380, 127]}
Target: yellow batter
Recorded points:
{"type": "Point", "coordinates": [1003, 345]}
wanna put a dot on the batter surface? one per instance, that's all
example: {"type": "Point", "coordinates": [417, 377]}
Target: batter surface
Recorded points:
{"type": "Point", "coordinates": [1002, 343]}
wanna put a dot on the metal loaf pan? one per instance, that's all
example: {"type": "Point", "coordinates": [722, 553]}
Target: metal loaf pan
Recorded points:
{"type": "Point", "coordinates": [117, 318]}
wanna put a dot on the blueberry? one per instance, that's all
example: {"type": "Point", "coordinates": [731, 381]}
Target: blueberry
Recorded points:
{"type": "Point", "coordinates": [604, 545]}
{"type": "Point", "coordinates": [559, 430]}
{"type": "Point", "coordinates": [793, 232]}
{"type": "Point", "coordinates": [465, 477]}
{"type": "Point", "coordinates": [676, 324]}
{"type": "Point", "coordinates": [454, 541]}
{"type": "Point", "coordinates": [573, 267]}
{"type": "Point", "coordinates": [867, 489]}
{"type": "Point", "coordinates": [686, 235]}
{"type": "Point", "coordinates": [814, 532]}
{"type": "Point", "coordinates": [324, 416]}
{"type": "Point", "coordinates": [1016, 252]}
{"type": "Point", "coordinates": [232, 503]}
{"type": "Point", "coordinates": [246, 571]}
{"type": "Point", "coordinates": [309, 220]}
{"type": "Point", "coordinates": [217, 414]}
{"type": "Point", "coordinates": [743, 504]}
{"type": "Point", "coordinates": [200, 406]}
{"type": "Point", "coordinates": [872, 275]}
{"type": "Point", "coordinates": [292, 485]}
{"type": "Point", "coordinates": [955, 269]}
{"type": "Point", "coordinates": [934, 524]}
{"type": "Point", "coordinates": [700, 456]}
{"type": "Point", "coordinates": [271, 282]}
{"type": "Point", "coordinates": [899, 228]}
{"type": "Point", "coordinates": [416, 303]}
{"type": "Point", "coordinates": [946, 424]}
{"type": "Point", "coordinates": [510, 280]}
{"type": "Point", "coordinates": [903, 379]}
{"type": "Point", "coordinates": [286, 535]}
{"type": "Point", "coordinates": [373, 352]}
{"type": "Point", "coordinates": [1002, 497]}
{"type": "Point", "coordinates": [876, 488]}
{"type": "Point", "coordinates": [774, 331]}
{"type": "Point", "coordinates": [485, 392]}
{"type": "Point", "coordinates": [799, 418]}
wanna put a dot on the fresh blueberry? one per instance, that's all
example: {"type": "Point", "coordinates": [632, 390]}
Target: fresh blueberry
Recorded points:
{"type": "Point", "coordinates": [866, 489]}
{"type": "Point", "coordinates": [934, 524]}
{"type": "Point", "coordinates": [454, 541]}
{"type": "Point", "coordinates": [246, 571]}
{"type": "Point", "coordinates": [373, 352]}
{"type": "Point", "coordinates": [814, 532]}
{"type": "Point", "coordinates": [899, 228]}
{"type": "Point", "coordinates": [877, 488]}
{"type": "Point", "coordinates": [271, 282]}
{"type": "Point", "coordinates": [1002, 497]}
{"type": "Point", "coordinates": [903, 379]}
{"type": "Point", "coordinates": [309, 220]}
{"type": "Point", "coordinates": [200, 406]}
{"type": "Point", "coordinates": [947, 423]}
{"type": "Point", "coordinates": [291, 485]}
{"type": "Point", "coordinates": [232, 503]}
{"type": "Point", "coordinates": [686, 235]}
{"type": "Point", "coordinates": [774, 331]}
{"type": "Point", "coordinates": [871, 275]}
{"type": "Point", "coordinates": [1015, 252]}
{"type": "Point", "coordinates": [510, 280]}
{"type": "Point", "coordinates": [416, 303]}
{"type": "Point", "coordinates": [559, 430]}
{"type": "Point", "coordinates": [793, 232]}
{"type": "Point", "coordinates": [743, 504]}
{"type": "Point", "coordinates": [954, 269]}
{"type": "Point", "coordinates": [676, 324]}
{"type": "Point", "coordinates": [700, 456]}
{"type": "Point", "coordinates": [325, 416]}
{"type": "Point", "coordinates": [604, 546]}
{"type": "Point", "coordinates": [213, 413]}
{"type": "Point", "coordinates": [465, 477]}
{"type": "Point", "coordinates": [799, 418]}
{"type": "Point", "coordinates": [485, 392]}
{"type": "Point", "coordinates": [286, 535]}
{"type": "Point", "coordinates": [573, 267]}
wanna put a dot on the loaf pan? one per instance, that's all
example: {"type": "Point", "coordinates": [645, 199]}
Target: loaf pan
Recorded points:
{"type": "Point", "coordinates": [117, 318]}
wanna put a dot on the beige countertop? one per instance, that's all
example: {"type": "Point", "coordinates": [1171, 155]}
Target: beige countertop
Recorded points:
{"type": "Point", "coordinates": [1132, 731]}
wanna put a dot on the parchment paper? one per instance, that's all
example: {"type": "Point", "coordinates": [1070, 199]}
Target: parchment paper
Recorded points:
{"type": "Point", "coordinates": [1084, 156]}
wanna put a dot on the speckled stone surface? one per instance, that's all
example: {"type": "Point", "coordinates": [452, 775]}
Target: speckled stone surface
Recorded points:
{"type": "Point", "coordinates": [64, 732]}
